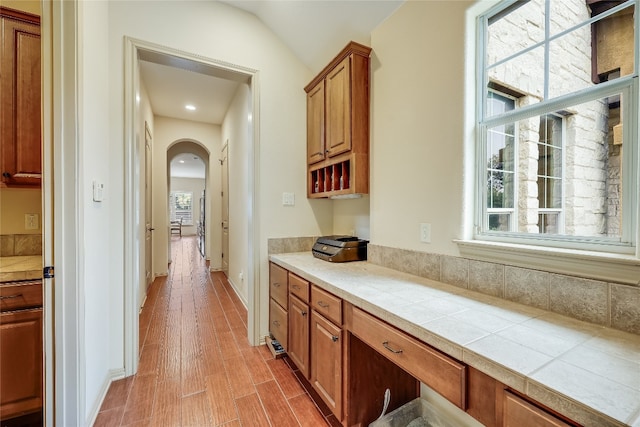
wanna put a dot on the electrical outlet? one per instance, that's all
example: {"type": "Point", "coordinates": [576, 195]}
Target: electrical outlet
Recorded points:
{"type": "Point", "coordinates": [31, 221]}
{"type": "Point", "coordinates": [425, 233]}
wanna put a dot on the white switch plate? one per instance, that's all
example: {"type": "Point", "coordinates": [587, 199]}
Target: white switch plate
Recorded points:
{"type": "Point", "coordinates": [288, 199]}
{"type": "Point", "coordinates": [98, 191]}
{"type": "Point", "coordinates": [425, 232]}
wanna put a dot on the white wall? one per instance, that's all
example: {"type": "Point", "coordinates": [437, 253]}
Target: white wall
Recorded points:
{"type": "Point", "coordinates": [417, 106]}
{"type": "Point", "coordinates": [236, 133]}
{"type": "Point", "coordinates": [167, 132]}
{"type": "Point", "coordinates": [96, 272]}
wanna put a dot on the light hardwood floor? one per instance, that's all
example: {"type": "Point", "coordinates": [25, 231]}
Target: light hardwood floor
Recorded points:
{"type": "Point", "coordinates": [196, 365]}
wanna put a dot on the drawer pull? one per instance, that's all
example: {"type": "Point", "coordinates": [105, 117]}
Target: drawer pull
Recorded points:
{"type": "Point", "coordinates": [276, 284]}
{"type": "Point", "coordinates": [386, 345]}
{"type": "Point", "coordinates": [296, 287]}
{"type": "Point", "coordinates": [10, 296]}
{"type": "Point", "coordinates": [323, 304]}
{"type": "Point", "coordinates": [334, 338]}
{"type": "Point", "coordinates": [276, 323]}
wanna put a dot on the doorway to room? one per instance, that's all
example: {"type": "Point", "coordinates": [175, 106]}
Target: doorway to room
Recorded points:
{"type": "Point", "coordinates": [136, 51]}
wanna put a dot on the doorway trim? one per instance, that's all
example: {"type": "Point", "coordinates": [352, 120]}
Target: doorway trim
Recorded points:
{"type": "Point", "coordinates": [132, 235]}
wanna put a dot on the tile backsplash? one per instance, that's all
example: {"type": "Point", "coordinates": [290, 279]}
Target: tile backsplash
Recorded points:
{"type": "Point", "coordinates": [603, 303]}
{"type": "Point", "coordinates": [599, 302]}
{"type": "Point", "coordinates": [20, 244]}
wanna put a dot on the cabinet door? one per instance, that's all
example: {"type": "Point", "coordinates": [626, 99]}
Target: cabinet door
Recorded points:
{"type": "Point", "coordinates": [278, 285]}
{"type": "Point", "coordinates": [20, 154]}
{"type": "Point", "coordinates": [278, 323]}
{"type": "Point", "coordinates": [326, 362]}
{"type": "Point", "coordinates": [518, 412]}
{"type": "Point", "coordinates": [338, 109]}
{"type": "Point", "coordinates": [299, 334]}
{"type": "Point", "coordinates": [20, 362]}
{"type": "Point", "coordinates": [315, 124]}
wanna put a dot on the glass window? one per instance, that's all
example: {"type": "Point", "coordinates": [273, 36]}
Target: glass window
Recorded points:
{"type": "Point", "coordinates": [181, 206]}
{"type": "Point", "coordinates": [559, 166]}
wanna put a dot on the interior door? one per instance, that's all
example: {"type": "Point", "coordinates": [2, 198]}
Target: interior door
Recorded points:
{"type": "Point", "coordinates": [148, 261]}
{"type": "Point", "coordinates": [225, 207]}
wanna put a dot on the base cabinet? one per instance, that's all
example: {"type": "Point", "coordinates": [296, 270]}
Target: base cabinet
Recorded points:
{"type": "Point", "coordinates": [351, 357]}
{"type": "Point", "coordinates": [299, 334]}
{"type": "Point", "coordinates": [20, 362]}
{"type": "Point", "coordinates": [520, 412]}
{"type": "Point", "coordinates": [326, 361]}
{"type": "Point", "coordinates": [278, 304]}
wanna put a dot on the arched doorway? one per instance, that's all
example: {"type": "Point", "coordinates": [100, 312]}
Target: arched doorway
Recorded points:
{"type": "Point", "coordinates": [190, 181]}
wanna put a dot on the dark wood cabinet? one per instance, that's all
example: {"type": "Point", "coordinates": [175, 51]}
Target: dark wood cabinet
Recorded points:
{"type": "Point", "coordinates": [299, 316]}
{"type": "Point", "coordinates": [519, 412]}
{"type": "Point", "coordinates": [351, 357]}
{"type": "Point", "coordinates": [326, 361]}
{"type": "Point", "coordinates": [338, 126]}
{"type": "Point", "coordinates": [20, 95]}
{"type": "Point", "coordinates": [20, 349]}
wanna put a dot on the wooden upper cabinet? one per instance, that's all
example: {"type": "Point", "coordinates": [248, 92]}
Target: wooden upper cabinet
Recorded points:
{"type": "Point", "coordinates": [338, 125]}
{"type": "Point", "coordinates": [315, 124]}
{"type": "Point", "coordinates": [20, 89]}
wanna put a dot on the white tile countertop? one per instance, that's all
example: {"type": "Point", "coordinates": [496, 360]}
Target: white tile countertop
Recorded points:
{"type": "Point", "coordinates": [587, 372]}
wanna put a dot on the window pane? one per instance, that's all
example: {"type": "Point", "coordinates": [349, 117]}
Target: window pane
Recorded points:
{"type": "Point", "coordinates": [568, 162]}
{"type": "Point", "coordinates": [518, 27]}
{"type": "Point", "coordinates": [499, 222]}
{"type": "Point", "coordinates": [570, 62]}
{"type": "Point", "coordinates": [549, 223]}
{"type": "Point", "coordinates": [524, 74]}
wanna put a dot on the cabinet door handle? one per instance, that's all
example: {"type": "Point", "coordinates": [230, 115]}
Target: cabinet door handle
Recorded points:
{"type": "Point", "coordinates": [6, 175]}
{"type": "Point", "coordinates": [304, 313]}
{"type": "Point", "coordinates": [334, 338]}
{"type": "Point", "coordinates": [275, 322]}
{"type": "Point", "coordinates": [2, 297]}
{"type": "Point", "coordinates": [323, 304]}
{"type": "Point", "coordinates": [386, 345]}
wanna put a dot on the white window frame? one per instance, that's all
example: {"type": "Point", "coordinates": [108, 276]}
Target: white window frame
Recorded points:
{"type": "Point", "coordinates": [600, 260]}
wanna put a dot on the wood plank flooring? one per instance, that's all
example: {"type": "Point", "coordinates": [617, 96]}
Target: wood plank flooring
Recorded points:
{"type": "Point", "coordinates": [196, 365]}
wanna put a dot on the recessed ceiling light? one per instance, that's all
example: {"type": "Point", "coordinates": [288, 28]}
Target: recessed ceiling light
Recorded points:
{"type": "Point", "coordinates": [190, 107]}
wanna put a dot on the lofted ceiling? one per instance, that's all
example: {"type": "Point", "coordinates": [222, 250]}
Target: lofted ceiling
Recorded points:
{"type": "Point", "coordinates": [315, 30]}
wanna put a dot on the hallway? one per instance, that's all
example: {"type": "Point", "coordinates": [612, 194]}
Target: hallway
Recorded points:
{"type": "Point", "coordinates": [196, 366]}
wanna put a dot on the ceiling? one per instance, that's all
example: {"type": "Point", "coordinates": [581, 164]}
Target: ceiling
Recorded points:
{"type": "Point", "coordinates": [315, 30]}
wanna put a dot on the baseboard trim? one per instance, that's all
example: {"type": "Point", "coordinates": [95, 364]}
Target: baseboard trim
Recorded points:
{"type": "Point", "coordinates": [112, 375]}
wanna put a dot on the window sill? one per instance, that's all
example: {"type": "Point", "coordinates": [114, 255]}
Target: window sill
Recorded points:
{"type": "Point", "coordinates": [594, 265]}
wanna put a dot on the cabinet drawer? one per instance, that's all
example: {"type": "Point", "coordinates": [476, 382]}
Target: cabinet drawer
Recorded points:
{"type": "Point", "coordinates": [278, 323]}
{"type": "Point", "coordinates": [19, 296]}
{"type": "Point", "coordinates": [519, 412]}
{"type": "Point", "coordinates": [278, 289]}
{"type": "Point", "coordinates": [330, 306]}
{"type": "Point", "coordinates": [299, 287]}
{"type": "Point", "coordinates": [445, 375]}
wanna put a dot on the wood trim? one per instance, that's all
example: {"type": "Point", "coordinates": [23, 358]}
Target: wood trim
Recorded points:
{"type": "Point", "coordinates": [19, 15]}
{"type": "Point", "coordinates": [541, 408]}
{"type": "Point", "coordinates": [351, 48]}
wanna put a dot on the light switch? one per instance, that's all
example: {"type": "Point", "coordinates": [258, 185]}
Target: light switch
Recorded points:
{"type": "Point", "coordinates": [98, 191]}
{"type": "Point", "coordinates": [288, 199]}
